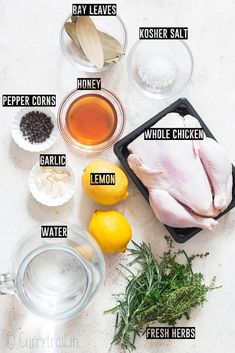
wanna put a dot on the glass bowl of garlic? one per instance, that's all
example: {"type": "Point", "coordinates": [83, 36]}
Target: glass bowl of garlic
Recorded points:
{"type": "Point", "coordinates": [52, 186]}
{"type": "Point", "coordinates": [95, 43]}
{"type": "Point", "coordinates": [160, 68]}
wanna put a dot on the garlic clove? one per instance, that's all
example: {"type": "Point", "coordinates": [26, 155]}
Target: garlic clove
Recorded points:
{"type": "Point", "coordinates": [51, 179]}
{"type": "Point", "coordinates": [62, 176]}
{"type": "Point", "coordinates": [59, 170]}
{"type": "Point", "coordinates": [55, 190]}
{"type": "Point", "coordinates": [48, 169]}
{"type": "Point", "coordinates": [38, 182]}
{"type": "Point", "coordinates": [45, 176]}
{"type": "Point", "coordinates": [47, 185]}
{"type": "Point", "coordinates": [61, 188]}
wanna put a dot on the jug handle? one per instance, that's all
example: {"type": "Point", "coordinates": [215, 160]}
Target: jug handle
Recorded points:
{"type": "Point", "coordinates": [7, 285]}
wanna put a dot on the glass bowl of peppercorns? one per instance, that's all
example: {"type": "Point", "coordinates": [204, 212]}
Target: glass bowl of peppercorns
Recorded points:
{"type": "Point", "coordinates": [34, 129]}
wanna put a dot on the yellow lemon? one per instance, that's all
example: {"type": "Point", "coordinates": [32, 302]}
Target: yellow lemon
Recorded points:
{"type": "Point", "coordinates": [111, 230]}
{"type": "Point", "coordinates": [98, 185]}
{"type": "Point", "coordinates": [85, 251]}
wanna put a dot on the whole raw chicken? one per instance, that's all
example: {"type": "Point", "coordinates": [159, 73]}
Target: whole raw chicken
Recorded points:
{"type": "Point", "coordinates": [189, 182]}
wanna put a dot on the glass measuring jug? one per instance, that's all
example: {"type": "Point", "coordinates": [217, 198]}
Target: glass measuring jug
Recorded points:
{"type": "Point", "coordinates": [55, 277]}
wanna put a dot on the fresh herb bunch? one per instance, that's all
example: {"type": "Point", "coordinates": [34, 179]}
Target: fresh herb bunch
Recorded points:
{"type": "Point", "coordinates": [161, 291]}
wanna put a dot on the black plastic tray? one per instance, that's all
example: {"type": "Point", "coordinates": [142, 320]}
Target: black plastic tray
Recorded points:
{"type": "Point", "coordinates": [183, 107]}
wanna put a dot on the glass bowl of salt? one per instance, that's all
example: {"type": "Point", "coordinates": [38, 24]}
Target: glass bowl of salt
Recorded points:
{"type": "Point", "coordinates": [160, 68]}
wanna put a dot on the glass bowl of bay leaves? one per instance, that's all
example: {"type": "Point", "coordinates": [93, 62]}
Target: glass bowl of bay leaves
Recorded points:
{"type": "Point", "coordinates": [95, 43]}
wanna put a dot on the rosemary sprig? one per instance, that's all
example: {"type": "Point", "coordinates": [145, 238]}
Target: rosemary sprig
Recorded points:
{"type": "Point", "coordinates": [163, 291]}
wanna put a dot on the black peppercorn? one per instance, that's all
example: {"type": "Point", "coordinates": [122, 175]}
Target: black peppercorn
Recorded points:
{"type": "Point", "coordinates": [36, 127]}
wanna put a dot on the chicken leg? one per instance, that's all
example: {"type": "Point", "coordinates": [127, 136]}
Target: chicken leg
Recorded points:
{"type": "Point", "coordinates": [169, 211]}
{"type": "Point", "coordinates": [216, 165]}
{"type": "Point", "coordinates": [219, 172]}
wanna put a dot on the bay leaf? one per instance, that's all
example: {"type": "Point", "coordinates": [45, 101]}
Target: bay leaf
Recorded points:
{"type": "Point", "coordinates": [113, 60]}
{"type": "Point", "coordinates": [70, 28]}
{"type": "Point", "coordinates": [74, 18]}
{"type": "Point", "coordinates": [112, 48]}
{"type": "Point", "coordinates": [89, 40]}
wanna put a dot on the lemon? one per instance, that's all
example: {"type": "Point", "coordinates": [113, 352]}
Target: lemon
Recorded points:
{"type": "Point", "coordinates": [105, 194]}
{"type": "Point", "coordinates": [111, 230]}
{"type": "Point", "coordinates": [85, 251]}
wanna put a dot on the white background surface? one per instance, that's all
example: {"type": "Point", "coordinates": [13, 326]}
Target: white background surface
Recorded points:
{"type": "Point", "coordinates": [31, 62]}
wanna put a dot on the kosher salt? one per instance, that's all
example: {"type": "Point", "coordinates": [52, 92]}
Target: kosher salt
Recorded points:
{"type": "Point", "coordinates": [157, 74]}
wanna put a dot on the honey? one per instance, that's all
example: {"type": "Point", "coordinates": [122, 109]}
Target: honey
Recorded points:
{"type": "Point", "coordinates": [91, 119]}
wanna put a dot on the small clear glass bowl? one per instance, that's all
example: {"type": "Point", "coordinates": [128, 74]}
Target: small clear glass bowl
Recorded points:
{"type": "Point", "coordinates": [61, 119]}
{"type": "Point", "coordinates": [173, 56]}
{"type": "Point", "coordinates": [112, 25]}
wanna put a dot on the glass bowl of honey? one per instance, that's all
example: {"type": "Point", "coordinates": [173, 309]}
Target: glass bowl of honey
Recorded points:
{"type": "Point", "coordinates": [92, 120]}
